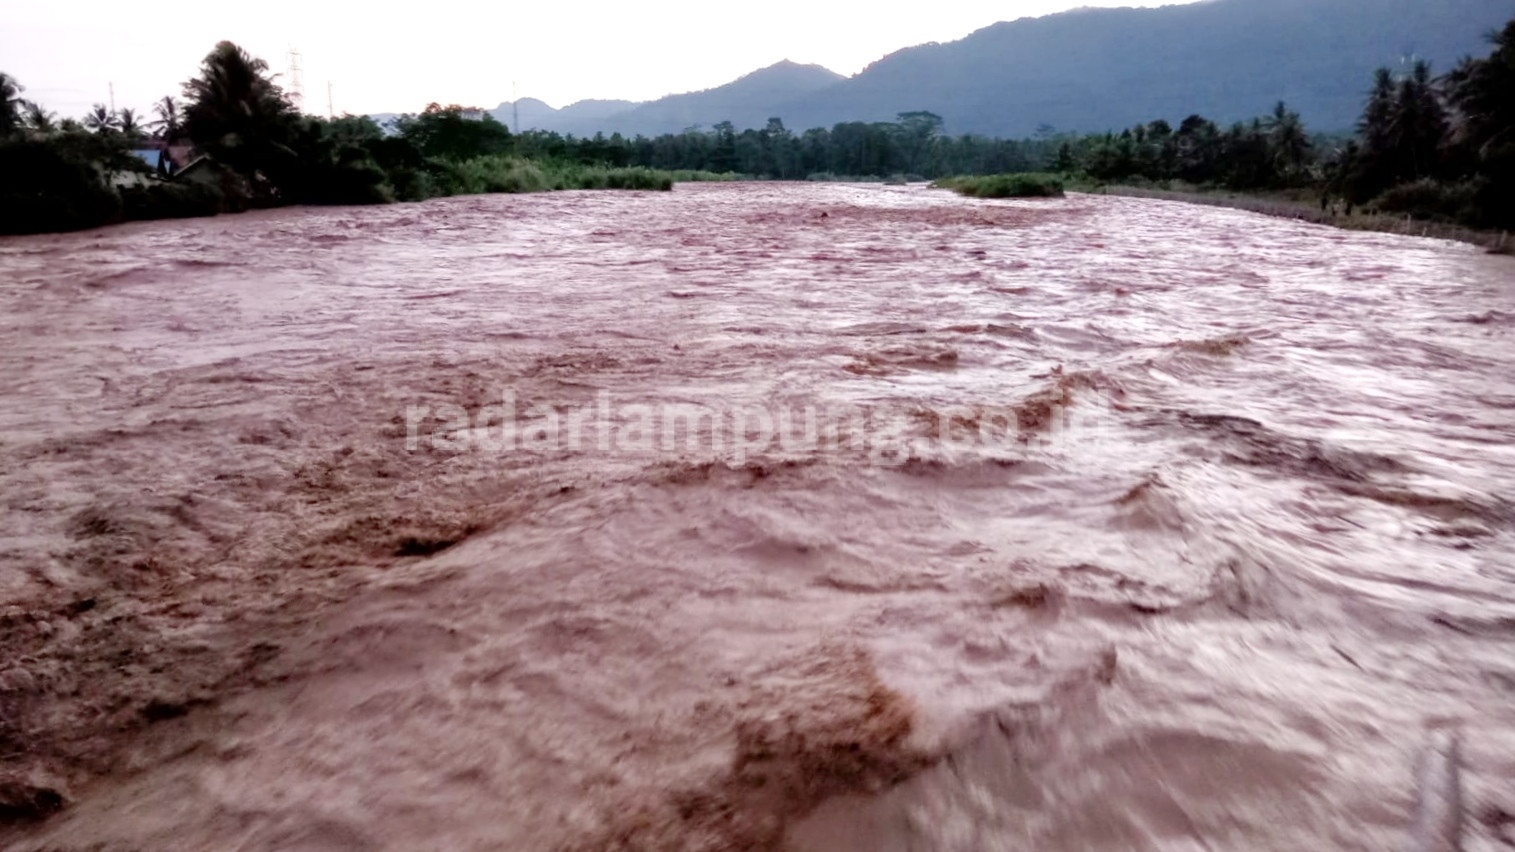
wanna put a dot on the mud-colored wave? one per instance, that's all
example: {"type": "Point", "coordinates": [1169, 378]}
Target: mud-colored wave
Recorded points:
{"type": "Point", "coordinates": [1122, 525]}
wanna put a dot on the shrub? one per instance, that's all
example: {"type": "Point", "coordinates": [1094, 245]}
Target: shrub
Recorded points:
{"type": "Point", "coordinates": [828, 177]}
{"type": "Point", "coordinates": [359, 182]}
{"type": "Point", "coordinates": [498, 173]}
{"type": "Point", "coordinates": [578, 176]}
{"type": "Point", "coordinates": [638, 178]}
{"type": "Point", "coordinates": [50, 188]}
{"type": "Point", "coordinates": [1430, 199]}
{"type": "Point", "coordinates": [1005, 186]}
{"type": "Point", "coordinates": [696, 176]}
{"type": "Point", "coordinates": [508, 174]}
{"type": "Point", "coordinates": [161, 200]}
{"type": "Point", "coordinates": [411, 184]}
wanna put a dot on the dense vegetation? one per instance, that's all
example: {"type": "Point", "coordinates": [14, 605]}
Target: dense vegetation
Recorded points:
{"type": "Point", "coordinates": [259, 151]}
{"type": "Point", "coordinates": [1005, 186]}
{"type": "Point", "coordinates": [1439, 148]}
{"type": "Point", "coordinates": [1436, 148]}
{"type": "Point", "coordinates": [913, 146]}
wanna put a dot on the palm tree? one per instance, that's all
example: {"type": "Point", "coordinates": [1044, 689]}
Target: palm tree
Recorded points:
{"type": "Point", "coordinates": [38, 119]}
{"type": "Point", "coordinates": [1480, 90]}
{"type": "Point", "coordinates": [1286, 136]}
{"type": "Point", "coordinates": [1419, 124]}
{"type": "Point", "coordinates": [11, 104]}
{"type": "Point", "coordinates": [1198, 149]}
{"type": "Point", "coordinates": [1372, 171]}
{"type": "Point", "coordinates": [1378, 115]}
{"type": "Point", "coordinates": [169, 125]}
{"type": "Point", "coordinates": [100, 119]}
{"type": "Point", "coordinates": [129, 126]}
{"type": "Point", "coordinates": [235, 111]}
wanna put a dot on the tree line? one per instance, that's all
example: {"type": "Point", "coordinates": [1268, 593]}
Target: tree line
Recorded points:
{"type": "Point", "coordinates": [1439, 148]}
{"type": "Point", "coordinates": [911, 147]}
{"type": "Point", "coordinates": [255, 149]}
{"type": "Point", "coordinates": [1434, 147]}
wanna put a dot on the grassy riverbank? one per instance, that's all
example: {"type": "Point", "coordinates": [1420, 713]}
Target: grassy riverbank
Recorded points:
{"type": "Point", "coordinates": [1305, 205]}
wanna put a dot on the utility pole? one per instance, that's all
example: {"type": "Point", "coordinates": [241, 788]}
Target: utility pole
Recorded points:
{"type": "Point", "coordinates": [112, 97]}
{"type": "Point", "coordinates": [330, 111]}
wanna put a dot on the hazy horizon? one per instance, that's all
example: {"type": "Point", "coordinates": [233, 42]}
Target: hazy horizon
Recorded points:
{"type": "Point", "coordinates": [68, 58]}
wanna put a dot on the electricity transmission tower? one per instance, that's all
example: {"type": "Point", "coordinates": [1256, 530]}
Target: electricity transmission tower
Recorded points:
{"type": "Point", "coordinates": [296, 88]}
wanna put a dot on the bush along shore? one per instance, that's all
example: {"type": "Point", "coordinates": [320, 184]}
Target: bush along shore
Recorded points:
{"type": "Point", "coordinates": [1437, 152]}
{"type": "Point", "coordinates": [1026, 185]}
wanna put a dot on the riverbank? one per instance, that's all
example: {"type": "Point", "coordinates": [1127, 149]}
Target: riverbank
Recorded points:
{"type": "Point", "coordinates": [91, 196]}
{"type": "Point", "coordinates": [1305, 206]}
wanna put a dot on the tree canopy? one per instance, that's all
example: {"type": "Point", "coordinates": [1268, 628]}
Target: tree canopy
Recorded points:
{"type": "Point", "coordinates": [1436, 147]}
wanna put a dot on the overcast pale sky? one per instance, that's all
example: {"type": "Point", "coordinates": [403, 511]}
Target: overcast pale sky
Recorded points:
{"type": "Point", "coordinates": [397, 57]}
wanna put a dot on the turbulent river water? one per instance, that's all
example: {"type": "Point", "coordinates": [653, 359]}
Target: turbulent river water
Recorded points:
{"type": "Point", "coordinates": [820, 517]}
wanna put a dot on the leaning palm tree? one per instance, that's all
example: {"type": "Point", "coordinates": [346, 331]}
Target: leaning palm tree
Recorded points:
{"type": "Point", "coordinates": [1480, 89]}
{"type": "Point", "coordinates": [100, 119]}
{"type": "Point", "coordinates": [11, 104]}
{"type": "Point", "coordinates": [169, 124]}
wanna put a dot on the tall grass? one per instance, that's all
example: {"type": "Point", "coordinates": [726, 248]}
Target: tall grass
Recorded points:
{"type": "Point", "coordinates": [578, 176]}
{"type": "Point", "coordinates": [505, 173]}
{"type": "Point", "coordinates": [492, 173]}
{"type": "Point", "coordinates": [1028, 185]}
{"type": "Point", "coordinates": [697, 176]}
{"type": "Point", "coordinates": [830, 177]}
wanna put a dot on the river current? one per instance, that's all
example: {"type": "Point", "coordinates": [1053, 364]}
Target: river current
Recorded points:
{"type": "Point", "coordinates": [754, 516]}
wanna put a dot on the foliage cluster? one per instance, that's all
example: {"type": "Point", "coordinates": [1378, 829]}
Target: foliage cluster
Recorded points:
{"type": "Point", "coordinates": [1434, 148]}
{"type": "Point", "coordinates": [258, 152]}
{"type": "Point", "coordinates": [1025, 185]}
{"type": "Point", "coordinates": [1427, 147]}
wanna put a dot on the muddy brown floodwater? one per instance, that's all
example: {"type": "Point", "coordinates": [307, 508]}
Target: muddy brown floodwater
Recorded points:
{"type": "Point", "coordinates": [1130, 525]}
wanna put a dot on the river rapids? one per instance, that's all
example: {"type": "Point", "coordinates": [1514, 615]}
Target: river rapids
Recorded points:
{"type": "Point", "coordinates": [755, 516]}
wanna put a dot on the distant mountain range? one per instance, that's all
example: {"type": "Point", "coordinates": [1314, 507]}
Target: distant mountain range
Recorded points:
{"type": "Point", "coordinates": [1087, 70]}
{"type": "Point", "coordinates": [748, 101]}
{"type": "Point", "coordinates": [585, 115]}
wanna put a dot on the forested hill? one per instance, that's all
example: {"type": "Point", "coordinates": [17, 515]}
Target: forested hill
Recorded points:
{"type": "Point", "coordinates": [1094, 69]}
{"type": "Point", "coordinates": [1097, 69]}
